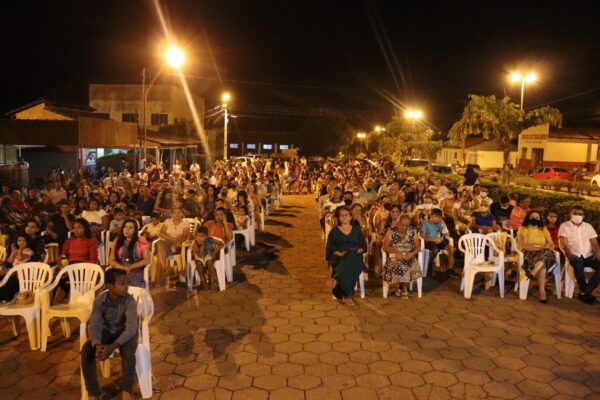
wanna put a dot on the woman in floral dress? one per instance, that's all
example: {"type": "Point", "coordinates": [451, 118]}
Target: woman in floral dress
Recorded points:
{"type": "Point", "coordinates": [402, 245]}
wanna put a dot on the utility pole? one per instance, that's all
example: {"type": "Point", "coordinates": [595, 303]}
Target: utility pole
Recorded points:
{"type": "Point", "coordinates": [225, 132]}
{"type": "Point", "coordinates": [144, 103]}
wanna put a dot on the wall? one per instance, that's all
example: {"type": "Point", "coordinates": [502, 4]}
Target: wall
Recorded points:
{"type": "Point", "coordinates": [491, 159]}
{"type": "Point", "coordinates": [162, 99]}
{"type": "Point", "coordinates": [40, 112]}
{"type": "Point", "coordinates": [42, 159]}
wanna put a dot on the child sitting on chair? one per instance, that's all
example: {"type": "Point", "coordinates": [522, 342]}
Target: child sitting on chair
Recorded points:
{"type": "Point", "coordinates": [240, 214]}
{"type": "Point", "coordinates": [113, 323]}
{"type": "Point", "coordinates": [434, 231]}
{"type": "Point", "coordinates": [204, 252]}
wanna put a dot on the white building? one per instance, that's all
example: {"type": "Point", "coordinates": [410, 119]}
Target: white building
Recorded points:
{"type": "Point", "coordinates": [489, 154]}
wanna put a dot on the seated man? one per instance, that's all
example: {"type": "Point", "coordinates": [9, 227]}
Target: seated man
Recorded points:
{"type": "Point", "coordinates": [502, 210]}
{"type": "Point", "coordinates": [483, 221]}
{"type": "Point", "coordinates": [578, 240]}
{"type": "Point", "coordinates": [113, 323]}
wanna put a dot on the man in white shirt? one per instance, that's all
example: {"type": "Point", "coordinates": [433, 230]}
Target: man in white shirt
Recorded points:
{"type": "Point", "coordinates": [578, 240]}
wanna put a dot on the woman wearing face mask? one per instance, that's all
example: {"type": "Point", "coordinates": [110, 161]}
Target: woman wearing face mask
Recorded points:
{"type": "Point", "coordinates": [537, 246]}
{"type": "Point", "coordinates": [402, 244]}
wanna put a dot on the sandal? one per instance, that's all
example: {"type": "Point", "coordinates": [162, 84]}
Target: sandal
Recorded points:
{"type": "Point", "coordinates": [332, 283]}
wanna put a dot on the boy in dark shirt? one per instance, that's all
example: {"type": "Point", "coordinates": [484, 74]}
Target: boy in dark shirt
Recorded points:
{"type": "Point", "coordinates": [113, 324]}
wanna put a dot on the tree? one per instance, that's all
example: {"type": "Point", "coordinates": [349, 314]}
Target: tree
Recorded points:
{"type": "Point", "coordinates": [326, 136]}
{"type": "Point", "coordinates": [404, 139]}
{"type": "Point", "coordinates": [500, 119]}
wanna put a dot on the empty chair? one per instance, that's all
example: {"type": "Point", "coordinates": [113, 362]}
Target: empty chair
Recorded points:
{"type": "Point", "coordinates": [84, 280]}
{"type": "Point", "coordinates": [474, 246]}
{"type": "Point", "coordinates": [504, 241]}
{"type": "Point", "coordinates": [33, 277]}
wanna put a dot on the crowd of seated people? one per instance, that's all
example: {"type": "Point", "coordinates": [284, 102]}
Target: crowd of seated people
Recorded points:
{"type": "Point", "coordinates": [394, 212]}
{"type": "Point", "coordinates": [131, 211]}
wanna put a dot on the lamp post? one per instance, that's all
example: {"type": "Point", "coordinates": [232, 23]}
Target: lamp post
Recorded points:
{"type": "Point", "coordinates": [175, 58]}
{"type": "Point", "coordinates": [361, 136]}
{"type": "Point", "coordinates": [414, 115]}
{"type": "Point", "coordinates": [226, 97]}
{"type": "Point", "coordinates": [518, 77]}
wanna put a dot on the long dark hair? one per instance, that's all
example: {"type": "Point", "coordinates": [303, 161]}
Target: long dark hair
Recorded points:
{"type": "Point", "coordinates": [244, 196]}
{"type": "Point", "coordinates": [121, 239]}
{"type": "Point", "coordinates": [87, 232]}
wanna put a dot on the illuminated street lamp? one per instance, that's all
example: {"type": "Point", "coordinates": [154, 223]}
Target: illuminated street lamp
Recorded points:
{"type": "Point", "coordinates": [414, 114]}
{"type": "Point", "coordinates": [518, 77]}
{"type": "Point", "coordinates": [361, 136]}
{"type": "Point", "coordinates": [175, 58]}
{"type": "Point", "coordinates": [379, 129]}
{"type": "Point", "coordinates": [225, 98]}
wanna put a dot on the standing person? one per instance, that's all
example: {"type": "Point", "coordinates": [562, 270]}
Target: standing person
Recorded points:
{"type": "Point", "coordinates": [470, 178]}
{"type": "Point", "coordinates": [402, 244]}
{"type": "Point", "coordinates": [113, 323]}
{"type": "Point", "coordinates": [535, 242]}
{"type": "Point", "coordinates": [60, 224]}
{"type": "Point", "coordinates": [519, 212]}
{"type": "Point", "coordinates": [345, 246]}
{"type": "Point", "coordinates": [578, 240]}
{"type": "Point", "coordinates": [130, 253]}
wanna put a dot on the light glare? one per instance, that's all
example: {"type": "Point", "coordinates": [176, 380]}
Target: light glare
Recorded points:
{"type": "Point", "coordinates": [175, 57]}
{"type": "Point", "coordinates": [226, 97]}
{"type": "Point", "coordinates": [530, 78]}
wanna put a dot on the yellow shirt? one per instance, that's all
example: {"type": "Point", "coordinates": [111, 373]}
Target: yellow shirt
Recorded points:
{"type": "Point", "coordinates": [534, 236]}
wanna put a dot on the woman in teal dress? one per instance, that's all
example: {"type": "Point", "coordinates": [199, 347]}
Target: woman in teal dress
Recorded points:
{"type": "Point", "coordinates": [345, 247]}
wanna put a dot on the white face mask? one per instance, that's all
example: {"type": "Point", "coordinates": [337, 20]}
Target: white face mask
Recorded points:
{"type": "Point", "coordinates": [577, 219]}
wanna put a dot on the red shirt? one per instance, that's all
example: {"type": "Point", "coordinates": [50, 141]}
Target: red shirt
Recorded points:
{"type": "Point", "coordinates": [81, 249]}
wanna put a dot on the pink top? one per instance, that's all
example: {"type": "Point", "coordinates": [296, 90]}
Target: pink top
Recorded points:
{"type": "Point", "coordinates": [516, 218]}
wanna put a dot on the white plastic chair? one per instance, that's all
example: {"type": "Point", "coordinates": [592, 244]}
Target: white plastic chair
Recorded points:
{"type": "Point", "coordinates": [105, 246]}
{"type": "Point", "coordinates": [426, 253]}
{"type": "Point", "coordinates": [523, 286]}
{"type": "Point", "coordinates": [33, 276]}
{"type": "Point", "coordinates": [84, 280]}
{"type": "Point", "coordinates": [473, 246]}
{"type": "Point", "coordinates": [51, 253]}
{"type": "Point", "coordinates": [246, 233]}
{"type": "Point", "coordinates": [220, 266]}
{"type": "Point", "coordinates": [143, 365]}
{"type": "Point", "coordinates": [570, 278]}
{"type": "Point", "coordinates": [262, 217]}
{"type": "Point", "coordinates": [501, 239]}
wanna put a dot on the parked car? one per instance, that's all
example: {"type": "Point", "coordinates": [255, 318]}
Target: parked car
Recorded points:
{"type": "Point", "coordinates": [416, 163]}
{"type": "Point", "coordinates": [554, 173]}
{"type": "Point", "coordinates": [441, 169]}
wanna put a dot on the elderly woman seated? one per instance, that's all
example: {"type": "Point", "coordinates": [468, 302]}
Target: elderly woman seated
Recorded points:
{"type": "Point", "coordinates": [402, 244]}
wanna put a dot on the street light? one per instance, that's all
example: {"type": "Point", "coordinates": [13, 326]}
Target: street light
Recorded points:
{"type": "Point", "coordinates": [518, 77]}
{"type": "Point", "coordinates": [379, 129]}
{"type": "Point", "coordinates": [414, 114]}
{"type": "Point", "coordinates": [361, 136]}
{"type": "Point", "coordinates": [225, 98]}
{"type": "Point", "coordinates": [175, 58]}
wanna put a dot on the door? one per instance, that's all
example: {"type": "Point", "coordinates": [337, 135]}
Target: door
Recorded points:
{"type": "Point", "coordinates": [537, 157]}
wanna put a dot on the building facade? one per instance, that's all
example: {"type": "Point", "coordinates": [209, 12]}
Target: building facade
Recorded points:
{"type": "Point", "coordinates": [543, 146]}
{"type": "Point", "coordinates": [488, 154]}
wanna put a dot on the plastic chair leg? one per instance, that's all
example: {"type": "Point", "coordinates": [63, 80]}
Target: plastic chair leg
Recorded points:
{"type": "Point", "coordinates": [45, 332]}
{"type": "Point", "coordinates": [501, 282]}
{"type": "Point", "coordinates": [220, 267]}
{"type": "Point", "coordinates": [557, 283]}
{"type": "Point", "coordinates": [386, 288]}
{"type": "Point", "coordinates": [32, 332]}
{"type": "Point", "coordinates": [419, 287]}
{"type": "Point", "coordinates": [361, 282]}
{"type": "Point", "coordinates": [105, 368]}
{"type": "Point", "coordinates": [66, 327]}
{"type": "Point", "coordinates": [13, 324]}
{"type": "Point", "coordinates": [82, 333]}
{"type": "Point", "coordinates": [469, 280]}
{"type": "Point", "coordinates": [524, 289]}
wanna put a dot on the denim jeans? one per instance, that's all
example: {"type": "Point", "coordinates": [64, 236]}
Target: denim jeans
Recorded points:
{"type": "Point", "coordinates": [88, 364]}
{"type": "Point", "coordinates": [579, 264]}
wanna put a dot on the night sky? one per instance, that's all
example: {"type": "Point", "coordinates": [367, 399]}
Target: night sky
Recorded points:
{"type": "Point", "coordinates": [304, 55]}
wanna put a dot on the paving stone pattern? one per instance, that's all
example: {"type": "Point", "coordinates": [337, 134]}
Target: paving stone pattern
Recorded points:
{"type": "Point", "coordinates": [276, 333]}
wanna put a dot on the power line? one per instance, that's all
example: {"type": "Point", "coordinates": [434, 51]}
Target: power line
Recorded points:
{"type": "Point", "coordinates": [566, 98]}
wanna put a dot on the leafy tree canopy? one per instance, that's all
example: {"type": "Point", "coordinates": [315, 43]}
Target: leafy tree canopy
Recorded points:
{"type": "Point", "coordinates": [325, 136]}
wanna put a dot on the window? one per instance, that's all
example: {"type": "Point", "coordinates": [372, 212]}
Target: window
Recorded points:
{"type": "Point", "coordinates": [130, 117]}
{"type": "Point", "coordinates": [233, 145]}
{"type": "Point", "coordinates": [267, 147]}
{"type": "Point", "coordinates": [103, 115]}
{"type": "Point", "coordinates": [283, 147]}
{"type": "Point", "coordinates": [159, 119]}
{"type": "Point", "coordinates": [524, 153]}
{"type": "Point", "coordinates": [251, 146]}
{"type": "Point", "coordinates": [455, 155]}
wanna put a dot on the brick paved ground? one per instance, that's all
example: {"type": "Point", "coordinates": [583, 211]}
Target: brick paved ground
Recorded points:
{"type": "Point", "coordinates": [277, 334]}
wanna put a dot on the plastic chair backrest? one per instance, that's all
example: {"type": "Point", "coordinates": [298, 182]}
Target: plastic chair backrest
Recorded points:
{"type": "Point", "coordinates": [473, 245]}
{"type": "Point", "coordinates": [2, 253]}
{"type": "Point", "coordinates": [83, 278]}
{"type": "Point", "coordinates": [33, 275]}
{"type": "Point", "coordinates": [3, 240]}
{"type": "Point", "coordinates": [501, 239]}
{"type": "Point", "coordinates": [51, 255]}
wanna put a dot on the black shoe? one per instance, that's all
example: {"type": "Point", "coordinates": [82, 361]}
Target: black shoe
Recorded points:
{"type": "Point", "coordinates": [452, 274]}
{"type": "Point", "coordinates": [544, 301]}
{"type": "Point", "coordinates": [586, 298]}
